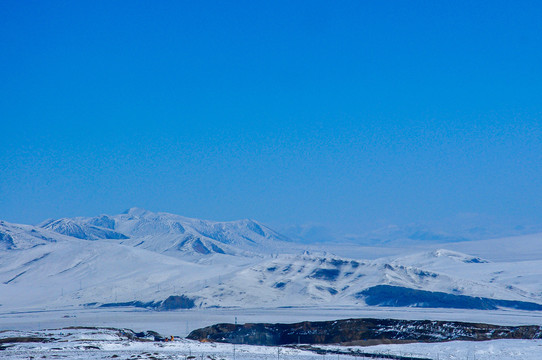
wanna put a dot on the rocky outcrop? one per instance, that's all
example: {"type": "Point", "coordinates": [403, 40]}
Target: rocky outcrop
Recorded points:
{"type": "Point", "coordinates": [361, 332]}
{"type": "Point", "coordinates": [173, 302]}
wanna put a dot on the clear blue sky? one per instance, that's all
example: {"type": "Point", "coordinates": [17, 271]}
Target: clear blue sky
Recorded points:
{"type": "Point", "coordinates": [348, 113]}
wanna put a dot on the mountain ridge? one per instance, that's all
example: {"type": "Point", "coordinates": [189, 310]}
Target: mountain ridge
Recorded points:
{"type": "Point", "coordinates": [174, 234]}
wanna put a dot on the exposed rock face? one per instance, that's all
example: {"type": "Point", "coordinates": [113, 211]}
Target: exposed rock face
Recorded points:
{"type": "Point", "coordinates": [361, 331]}
{"type": "Point", "coordinates": [173, 302]}
{"type": "Point", "coordinates": [6, 241]}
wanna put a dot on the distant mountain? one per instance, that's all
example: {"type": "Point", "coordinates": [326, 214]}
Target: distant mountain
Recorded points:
{"type": "Point", "coordinates": [413, 233]}
{"type": "Point", "coordinates": [81, 229]}
{"type": "Point", "coordinates": [387, 235]}
{"type": "Point", "coordinates": [460, 228]}
{"type": "Point", "coordinates": [310, 233]}
{"type": "Point", "coordinates": [173, 234]}
{"type": "Point", "coordinates": [45, 269]}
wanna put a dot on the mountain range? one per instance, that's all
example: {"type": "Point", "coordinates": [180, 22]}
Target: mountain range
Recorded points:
{"type": "Point", "coordinates": [146, 259]}
{"type": "Point", "coordinates": [172, 234]}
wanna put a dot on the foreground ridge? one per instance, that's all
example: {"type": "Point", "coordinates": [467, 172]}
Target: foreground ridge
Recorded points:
{"type": "Point", "coordinates": [361, 332]}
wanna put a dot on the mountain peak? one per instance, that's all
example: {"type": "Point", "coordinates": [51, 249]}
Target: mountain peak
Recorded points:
{"type": "Point", "coordinates": [136, 211]}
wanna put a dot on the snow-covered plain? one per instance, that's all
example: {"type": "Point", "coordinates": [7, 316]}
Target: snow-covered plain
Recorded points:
{"type": "Point", "coordinates": [481, 350]}
{"type": "Point", "coordinates": [58, 274]}
{"type": "Point", "coordinates": [111, 343]}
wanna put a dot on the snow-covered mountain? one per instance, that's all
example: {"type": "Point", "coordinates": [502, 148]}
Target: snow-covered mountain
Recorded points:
{"type": "Point", "coordinates": [46, 269]}
{"type": "Point", "coordinates": [141, 258]}
{"type": "Point", "coordinates": [82, 229]}
{"type": "Point", "coordinates": [461, 228]}
{"type": "Point", "coordinates": [412, 233]}
{"type": "Point", "coordinates": [174, 234]}
{"type": "Point", "coordinates": [328, 279]}
{"type": "Point", "coordinates": [21, 237]}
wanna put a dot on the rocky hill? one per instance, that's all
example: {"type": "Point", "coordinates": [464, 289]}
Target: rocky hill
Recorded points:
{"type": "Point", "coordinates": [361, 332]}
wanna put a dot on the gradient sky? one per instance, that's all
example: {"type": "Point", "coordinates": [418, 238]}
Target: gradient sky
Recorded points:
{"type": "Point", "coordinates": [351, 114]}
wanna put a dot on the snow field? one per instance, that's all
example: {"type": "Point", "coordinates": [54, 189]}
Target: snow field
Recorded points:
{"type": "Point", "coordinates": [107, 343]}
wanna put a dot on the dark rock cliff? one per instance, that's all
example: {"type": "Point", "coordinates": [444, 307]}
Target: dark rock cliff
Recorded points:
{"type": "Point", "coordinates": [361, 331]}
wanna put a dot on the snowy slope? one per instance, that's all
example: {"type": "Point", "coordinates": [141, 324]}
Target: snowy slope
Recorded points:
{"type": "Point", "coordinates": [521, 277]}
{"type": "Point", "coordinates": [508, 249]}
{"type": "Point", "coordinates": [21, 237]}
{"type": "Point", "coordinates": [65, 271]}
{"type": "Point", "coordinates": [330, 280]}
{"type": "Point", "coordinates": [81, 230]}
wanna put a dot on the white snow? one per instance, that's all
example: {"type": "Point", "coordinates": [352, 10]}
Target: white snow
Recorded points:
{"type": "Point", "coordinates": [111, 343]}
{"type": "Point", "coordinates": [243, 269]}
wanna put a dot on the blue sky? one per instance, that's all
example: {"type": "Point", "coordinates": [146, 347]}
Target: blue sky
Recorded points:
{"type": "Point", "coordinates": [353, 114]}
